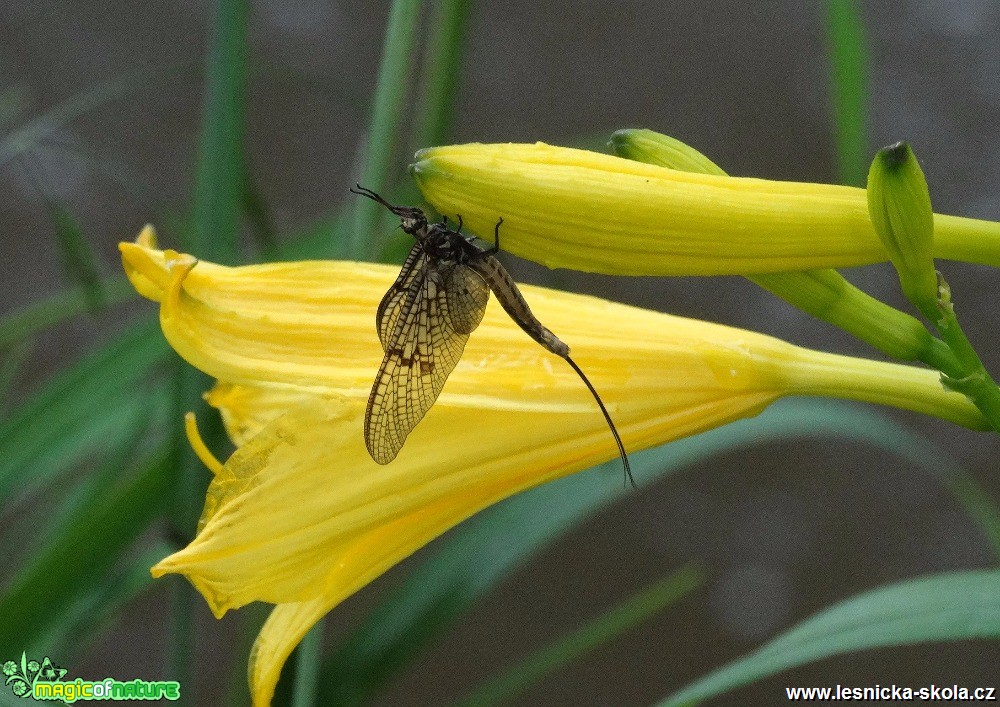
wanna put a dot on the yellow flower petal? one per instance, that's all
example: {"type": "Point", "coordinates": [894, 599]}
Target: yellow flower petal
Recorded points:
{"type": "Point", "coordinates": [583, 210]}
{"type": "Point", "coordinates": [285, 627]}
{"type": "Point", "coordinates": [301, 516]}
{"type": "Point", "coordinates": [308, 327]}
{"type": "Point", "coordinates": [246, 410]}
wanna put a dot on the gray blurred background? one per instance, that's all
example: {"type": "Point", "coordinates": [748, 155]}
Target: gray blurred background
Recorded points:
{"type": "Point", "coordinates": [784, 529]}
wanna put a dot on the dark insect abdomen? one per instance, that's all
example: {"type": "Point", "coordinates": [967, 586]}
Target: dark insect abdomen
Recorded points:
{"type": "Point", "coordinates": [513, 303]}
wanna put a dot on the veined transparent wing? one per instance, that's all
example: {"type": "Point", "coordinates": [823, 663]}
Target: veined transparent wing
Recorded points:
{"type": "Point", "coordinates": [392, 303]}
{"type": "Point", "coordinates": [432, 310]}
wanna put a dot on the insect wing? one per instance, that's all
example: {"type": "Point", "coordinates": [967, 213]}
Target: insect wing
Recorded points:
{"type": "Point", "coordinates": [421, 351]}
{"type": "Point", "coordinates": [468, 294]}
{"type": "Point", "coordinates": [402, 289]}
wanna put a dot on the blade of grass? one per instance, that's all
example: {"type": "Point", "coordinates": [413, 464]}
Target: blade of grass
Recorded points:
{"type": "Point", "coordinates": [90, 612]}
{"type": "Point", "coordinates": [57, 308]}
{"type": "Point", "coordinates": [13, 105]}
{"type": "Point", "coordinates": [79, 260]}
{"type": "Point", "coordinates": [97, 483]}
{"type": "Point", "coordinates": [849, 89]}
{"type": "Point", "coordinates": [946, 607]}
{"type": "Point", "coordinates": [635, 610]}
{"type": "Point", "coordinates": [257, 212]}
{"type": "Point", "coordinates": [29, 135]}
{"type": "Point", "coordinates": [77, 558]}
{"type": "Point", "coordinates": [221, 168]}
{"type": "Point", "coordinates": [386, 122]}
{"type": "Point", "coordinates": [436, 107]}
{"type": "Point", "coordinates": [218, 200]}
{"type": "Point", "coordinates": [12, 360]}
{"type": "Point", "coordinates": [308, 655]}
{"type": "Point", "coordinates": [85, 408]}
{"type": "Point", "coordinates": [483, 550]}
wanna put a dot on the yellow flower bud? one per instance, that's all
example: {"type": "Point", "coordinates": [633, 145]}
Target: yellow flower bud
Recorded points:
{"type": "Point", "coordinates": [568, 208]}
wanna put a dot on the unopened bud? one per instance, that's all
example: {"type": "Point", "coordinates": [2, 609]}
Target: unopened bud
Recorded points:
{"type": "Point", "coordinates": [655, 148]}
{"type": "Point", "coordinates": [899, 206]}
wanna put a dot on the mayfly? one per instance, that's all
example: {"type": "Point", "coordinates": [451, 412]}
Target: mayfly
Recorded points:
{"type": "Point", "coordinates": [425, 320]}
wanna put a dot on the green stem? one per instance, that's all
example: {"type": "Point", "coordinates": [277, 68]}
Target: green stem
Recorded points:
{"type": "Point", "coordinates": [827, 295]}
{"type": "Point", "coordinates": [221, 169]}
{"type": "Point", "coordinates": [849, 88]}
{"type": "Point", "coordinates": [896, 385]}
{"type": "Point", "coordinates": [387, 116]}
{"type": "Point", "coordinates": [972, 380]}
{"type": "Point", "coordinates": [309, 655]}
{"type": "Point", "coordinates": [444, 54]}
{"type": "Point", "coordinates": [179, 659]}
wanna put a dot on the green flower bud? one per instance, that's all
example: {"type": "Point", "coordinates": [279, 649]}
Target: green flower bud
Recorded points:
{"type": "Point", "coordinates": [899, 206]}
{"type": "Point", "coordinates": [655, 148]}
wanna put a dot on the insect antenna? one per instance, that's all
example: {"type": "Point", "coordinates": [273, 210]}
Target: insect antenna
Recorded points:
{"type": "Point", "coordinates": [365, 191]}
{"type": "Point", "coordinates": [401, 211]}
{"type": "Point", "coordinates": [604, 410]}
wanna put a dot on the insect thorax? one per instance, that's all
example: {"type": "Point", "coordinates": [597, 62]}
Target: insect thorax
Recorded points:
{"type": "Point", "coordinates": [442, 244]}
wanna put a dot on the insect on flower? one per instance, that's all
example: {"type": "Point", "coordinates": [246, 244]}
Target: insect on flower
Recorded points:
{"type": "Point", "coordinates": [425, 320]}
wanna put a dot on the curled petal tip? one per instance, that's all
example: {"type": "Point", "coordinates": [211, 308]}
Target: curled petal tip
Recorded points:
{"type": "Point", "coordinates": [147, 236]}
{"type": "Point", "coordinates": [179, 263]}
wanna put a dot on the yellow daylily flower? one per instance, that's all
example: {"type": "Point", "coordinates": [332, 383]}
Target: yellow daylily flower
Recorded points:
{"type": "Point", "coordinates": [302, 517]}
{"type": "Point", "coordinates": [567, 208]}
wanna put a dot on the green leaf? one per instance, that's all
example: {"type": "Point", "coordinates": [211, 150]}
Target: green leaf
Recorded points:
{"type": "Point", "coordinates": [14, 104]}
{"type": "Point", "coordinates": [603, 629]}
{"type": "Point", "coordinates": [486, 548]}
{"type": "Point", "coordinates": [308, 655]}
{"type": "Point", "coordinates": [220, 177]}
{"type": "Point", "coordinates": [443, 58]}
{"type": "Point", "coordinates": [386, 121]}
{"type": "Point", "coordinates": [946, 607]}
{"type": "Point", "coordinates": [92, 405]}
{"type": "Point", "coordinates": [313, 241]}
{"type": "Point", "coordinates": [88, 613]}
{"type": "Point", "coordinates": [849, 88]}
{"type": "Point", "coordinates": [27, 322]}
{"type": "Point", "coordinates": [79, 556]}
{"type": "Point", "coordinates": [12, 360]}
{"type": "Point", "coordinates": [79, 260]}
{"type": "Point", "coordinates": [33, 133]}
{"type": "Point", "coordinates": [259, 214]}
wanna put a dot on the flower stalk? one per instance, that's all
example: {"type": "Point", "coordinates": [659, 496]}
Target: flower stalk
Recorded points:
{"type": "Point", "coordinates": [899, 204]}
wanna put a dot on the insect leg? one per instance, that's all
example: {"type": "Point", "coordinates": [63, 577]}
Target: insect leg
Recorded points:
{"type": "Point", "coordinates": [496, 238]}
